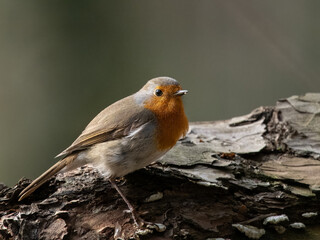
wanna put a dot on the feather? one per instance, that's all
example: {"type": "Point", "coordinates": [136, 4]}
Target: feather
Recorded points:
{"type": "Point", "coordinates": [46, 176]}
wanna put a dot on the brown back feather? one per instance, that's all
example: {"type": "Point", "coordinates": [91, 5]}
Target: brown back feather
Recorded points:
{"type": "Point", "coordinates": [114, 122]}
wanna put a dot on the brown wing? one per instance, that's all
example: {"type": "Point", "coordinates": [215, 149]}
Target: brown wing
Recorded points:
{"type": "Point", "coordinates": [114, 122]}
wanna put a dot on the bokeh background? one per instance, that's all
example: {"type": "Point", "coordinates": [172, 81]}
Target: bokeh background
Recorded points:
{"type": "Point", "coordinates": [61, 62]}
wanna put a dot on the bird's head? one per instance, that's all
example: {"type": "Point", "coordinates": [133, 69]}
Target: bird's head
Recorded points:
{"type": "Point", "coordinates": [162, 96]}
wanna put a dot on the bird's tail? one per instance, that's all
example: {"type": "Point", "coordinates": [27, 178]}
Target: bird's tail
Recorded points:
{"type": "Point", "coordinates": [46, 176]}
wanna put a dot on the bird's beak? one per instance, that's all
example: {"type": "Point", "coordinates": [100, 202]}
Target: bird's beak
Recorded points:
{"type": "Point", "coordinates": [180, 92]}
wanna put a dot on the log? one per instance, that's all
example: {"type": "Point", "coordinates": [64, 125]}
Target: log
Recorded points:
{"type": "Point", "coordinates": [252, 176]}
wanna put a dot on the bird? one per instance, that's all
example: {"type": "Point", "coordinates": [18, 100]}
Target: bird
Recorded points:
{"type": "Point", "coordinates": [126, 136]}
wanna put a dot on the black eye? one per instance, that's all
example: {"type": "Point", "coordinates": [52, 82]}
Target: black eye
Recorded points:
{"type": "Point", "coordinates": [158, 92]}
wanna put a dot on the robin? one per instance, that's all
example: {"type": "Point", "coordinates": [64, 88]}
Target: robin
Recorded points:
{"type": "Point", "coordinates": [127, 135]}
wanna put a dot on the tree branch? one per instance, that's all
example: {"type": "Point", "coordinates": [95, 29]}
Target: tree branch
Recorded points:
{"type": "Point", "coordinates": [240, 170]}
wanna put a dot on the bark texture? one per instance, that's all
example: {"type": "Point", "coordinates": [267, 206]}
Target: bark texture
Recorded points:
{"type": "Point", "coordinates": [223, 176]}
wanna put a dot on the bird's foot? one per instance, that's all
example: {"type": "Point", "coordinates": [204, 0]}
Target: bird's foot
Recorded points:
{"type": "Point", "coordinates": [149, 228]}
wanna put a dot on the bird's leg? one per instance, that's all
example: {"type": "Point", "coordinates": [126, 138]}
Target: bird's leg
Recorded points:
{"type": "Point", "coordinates": [133, 212]}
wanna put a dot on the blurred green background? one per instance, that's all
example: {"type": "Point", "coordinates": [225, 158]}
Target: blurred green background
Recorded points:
{"type": "Point", "coordinates": [61, 62]}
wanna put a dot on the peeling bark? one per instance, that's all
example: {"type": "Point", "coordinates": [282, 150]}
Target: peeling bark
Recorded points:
{"type": "Point", "coordinates": [241, 170]}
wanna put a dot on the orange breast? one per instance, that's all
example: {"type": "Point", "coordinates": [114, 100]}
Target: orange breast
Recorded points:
{"type": "Point", "coordinates": [172, 121]}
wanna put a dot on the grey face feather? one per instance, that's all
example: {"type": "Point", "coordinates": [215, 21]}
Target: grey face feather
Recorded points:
{"type": "Point", "coordinates": [163, 81]}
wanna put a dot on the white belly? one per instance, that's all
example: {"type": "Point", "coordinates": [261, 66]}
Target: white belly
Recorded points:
{"type": "Point", "coordinates": [113, 159]}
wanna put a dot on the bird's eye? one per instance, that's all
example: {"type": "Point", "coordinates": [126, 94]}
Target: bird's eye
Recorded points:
{"type": "Point", "coordinates": [158, 92]}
